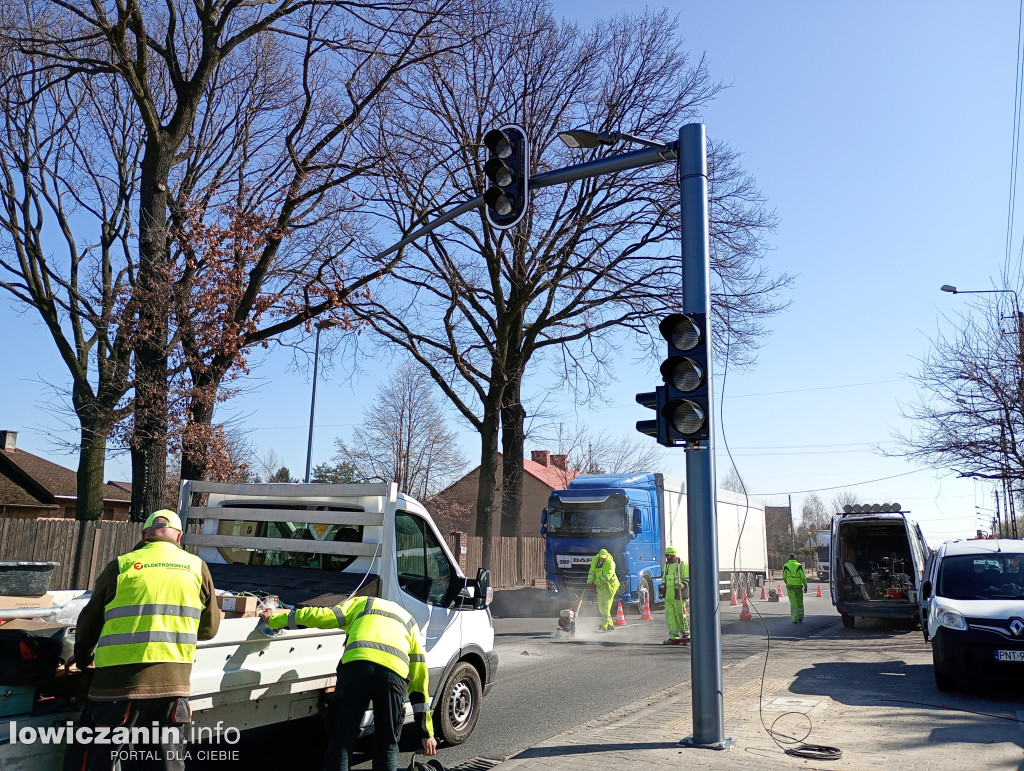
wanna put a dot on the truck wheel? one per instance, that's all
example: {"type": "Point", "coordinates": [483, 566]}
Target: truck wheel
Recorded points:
{"type": "Point", "coordinates": [458, 704]}
{"type": "Point", "coordinates": [849, 621]}
{"type": "Point", "coordinates": [646, 593]}
{"type": "Point", "coordinates": [944, 681]}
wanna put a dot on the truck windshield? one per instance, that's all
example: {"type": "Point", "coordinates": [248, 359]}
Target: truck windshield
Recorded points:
{"type": "Point", "coordinates": [989, 577]}
{"type": "Point", "coordinates": [584, 520]}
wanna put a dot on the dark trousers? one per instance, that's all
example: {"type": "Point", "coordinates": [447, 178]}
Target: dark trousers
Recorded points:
{"type": "Point", "coordinates": [360, 682]}
{"type": "Point", "coordinates": [158, 756]}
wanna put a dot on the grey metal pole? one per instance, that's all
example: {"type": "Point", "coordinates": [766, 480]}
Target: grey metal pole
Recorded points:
{"type": "Point", "coordinates": [312, 404]}
{"type": "Point", "coordinates": [702, 519]}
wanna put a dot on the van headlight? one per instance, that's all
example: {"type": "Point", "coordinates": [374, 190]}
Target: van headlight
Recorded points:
{"type": "Point", "coordinates": [950, 619]}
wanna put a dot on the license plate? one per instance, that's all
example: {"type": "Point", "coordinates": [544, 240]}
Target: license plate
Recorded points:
{"type": "Point", "coordinates": [1009, 655]}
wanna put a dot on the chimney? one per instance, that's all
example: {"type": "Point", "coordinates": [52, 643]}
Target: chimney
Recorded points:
{"type": "Point", "coordinates": [8, 441]}
{"type": "Point", "coordinates": [541, 456]}
{"type": "Point", "coordinates": [560, 461]}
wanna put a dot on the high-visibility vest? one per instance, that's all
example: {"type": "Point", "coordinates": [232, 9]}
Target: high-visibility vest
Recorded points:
{"type": "Point", "coordinates": [154, 616]}
{"type": "Point", "coordinates": [674, 573]}
{"type": "Point", "coordinates": [377, 630]}
{"type": "Point", "coordinates": [793, 574]}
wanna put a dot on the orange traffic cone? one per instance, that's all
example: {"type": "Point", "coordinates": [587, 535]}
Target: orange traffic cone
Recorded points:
{"type": "Point", "coordinates": [745, 598]}
{"type": "Point", "coordinates": [763, 595]}
{"type": "Point", "coordinates": [646, 615]}
{"type": "Point", "coordinates": [732, 598]}
{"type": "Point", "coordinates": [620, 617]}
{"type": "Point", "coordinates": [780, 588]}
{"type": "Point", "coordinates": [819, 590]}
{"type": "Point", "coordinates": [745, 613]}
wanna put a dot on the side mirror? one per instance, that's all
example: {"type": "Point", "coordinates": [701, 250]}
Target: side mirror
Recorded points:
{"type": "Point", "coordinates": [484, 591]}
{"type": "Point", "coordinates": [926, 590]}
{"type": "Point", "coordinates": [543, 521]}
{"type": "Point", "coordinates": [637, 522]}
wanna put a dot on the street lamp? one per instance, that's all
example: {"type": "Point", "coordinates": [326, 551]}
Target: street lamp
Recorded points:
{"type": "Point", "coordinates": [1019, 318]}
{"type": "Point", "coordinates": [320, 327]}
{"type": "Point", "coordinates": [585, 138]}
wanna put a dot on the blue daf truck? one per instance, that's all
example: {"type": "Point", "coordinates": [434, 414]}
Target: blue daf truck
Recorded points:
{"type": "Point", "coordinates": [635, 516]}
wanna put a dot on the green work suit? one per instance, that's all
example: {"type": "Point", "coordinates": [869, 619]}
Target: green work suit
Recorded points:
{"type": "Point", "coordinates": [607, 583]}
{"type": "Point", "coordinates": [796, 582]}
{"type": "Point", "coordinates": [675, 607]}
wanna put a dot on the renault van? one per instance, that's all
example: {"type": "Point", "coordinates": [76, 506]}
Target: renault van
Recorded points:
{"type": "Point", "coordinates": [972, 610]}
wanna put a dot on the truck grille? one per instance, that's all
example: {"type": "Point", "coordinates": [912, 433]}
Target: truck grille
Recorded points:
{"type": "Point", "coordinates": [573, 580]}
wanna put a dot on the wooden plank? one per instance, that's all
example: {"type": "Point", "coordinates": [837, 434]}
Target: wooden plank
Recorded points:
{"type": "Point", "coordinates": [231, 513]}
{"type": "Point", "coordinates": [278, 544]}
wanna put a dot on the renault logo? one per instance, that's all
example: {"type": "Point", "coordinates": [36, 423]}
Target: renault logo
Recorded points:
{"type": "Point", "coordinates": [1017, 627]}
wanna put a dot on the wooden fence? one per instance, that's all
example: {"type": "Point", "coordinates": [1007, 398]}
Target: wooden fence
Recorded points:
{"type": "Point", "coordinates": [515, 562]}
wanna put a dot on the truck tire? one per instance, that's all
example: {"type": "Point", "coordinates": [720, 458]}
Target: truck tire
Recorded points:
{"type": "Point", "coordinates": [944, 680]}
{"type": "Point", "coordinates": [458, 704]}
{"type": "Point", "coordinates": [849, 621]}
{"type": "Point", "coordinates": [646, 591]}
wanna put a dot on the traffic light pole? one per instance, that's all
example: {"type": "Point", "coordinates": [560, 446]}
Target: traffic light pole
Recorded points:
{"type": "Point", "coordinates": [691, 155]}
{"type": "Point", "coordinates": [702, 516]}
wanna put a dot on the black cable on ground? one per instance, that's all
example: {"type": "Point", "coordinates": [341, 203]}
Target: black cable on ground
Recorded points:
{"type": "Point", "coordinates": [801, 750]}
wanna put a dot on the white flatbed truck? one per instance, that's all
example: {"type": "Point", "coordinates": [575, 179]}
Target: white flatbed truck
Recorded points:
{"type": "Point", "coordinates": [312, 544]}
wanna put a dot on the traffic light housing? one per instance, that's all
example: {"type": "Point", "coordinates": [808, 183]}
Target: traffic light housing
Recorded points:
{"type": "Point", "coordinates": [687, 408]}
{"type": "Point", "coordinates": [682, 409]}
{"type": "Point", "coordinates": [507, 169]}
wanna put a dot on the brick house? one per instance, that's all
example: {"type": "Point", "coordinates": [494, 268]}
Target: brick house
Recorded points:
{"type": "Point", "coordinates": [543, 472]}
{"type": "Point", "coordinates": [34, 488]}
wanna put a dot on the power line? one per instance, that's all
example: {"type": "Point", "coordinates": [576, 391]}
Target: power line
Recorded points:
{"type": "Point", "coordinates": [1014, 143]}
{"type": "Point", "coordinates": [840, 487]}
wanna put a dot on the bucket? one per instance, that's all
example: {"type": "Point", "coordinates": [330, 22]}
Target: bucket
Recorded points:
{"type": "Point", "coordinates": [21, 578]}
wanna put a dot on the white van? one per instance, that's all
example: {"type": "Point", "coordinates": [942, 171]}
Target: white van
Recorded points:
{"type": "Point", "coordinates": [972, 609]}
{"type": "Point", "coordinates": [878, 557]}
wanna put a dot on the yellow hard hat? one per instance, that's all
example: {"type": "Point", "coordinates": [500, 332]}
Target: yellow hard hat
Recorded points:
{"type": "Point", "coordinates": [163, 518]}
{"type": "Point", "coordinates": [670, 551]}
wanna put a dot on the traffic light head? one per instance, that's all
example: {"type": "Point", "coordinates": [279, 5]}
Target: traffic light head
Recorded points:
{"type": "Point", "coordinates": [687, 408]}
{"type": "Point", "coordinates": [507, 169]}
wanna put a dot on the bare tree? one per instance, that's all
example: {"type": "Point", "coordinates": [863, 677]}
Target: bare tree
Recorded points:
{"type": "Point", "coordinates": [601, 452]}
{"type": "Point", "coordinates": [813, 516]}
{"type": "Point", "coordinates": [732, 481]}
{"type": "Point", "coordinates": [842, 499]}
{"type": "Point", "coordinates": [69, 154]}
{"type": "Point", "coordinates": [968, 416]}
{"type": "Point", "coordinates": [173, 62]}
{"type": "Point", "coordinates": [478, 309]}
{"type": "Point", "coordinates": [403, 437]}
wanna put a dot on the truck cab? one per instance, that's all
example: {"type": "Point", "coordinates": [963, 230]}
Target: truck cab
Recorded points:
{"type": "Point", "coordinates": [603, 511]}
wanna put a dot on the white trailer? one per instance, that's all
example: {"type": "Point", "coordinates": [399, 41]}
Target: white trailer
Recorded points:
{"type": "Point", "coordinates": [742, 534]}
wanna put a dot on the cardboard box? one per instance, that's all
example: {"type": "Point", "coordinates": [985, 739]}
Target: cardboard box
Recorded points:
{"type": "Point", "coordinates": [20, 602]}
{"type": "Point", "coordinates": [237, 605]}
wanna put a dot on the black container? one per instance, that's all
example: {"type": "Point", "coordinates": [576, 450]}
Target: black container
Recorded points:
{"type": "Point", "coordinates": [20, 578]}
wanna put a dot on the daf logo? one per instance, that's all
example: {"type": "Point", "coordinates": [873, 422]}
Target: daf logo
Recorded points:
{"type": "Point", "coordinates": [1017, 627]}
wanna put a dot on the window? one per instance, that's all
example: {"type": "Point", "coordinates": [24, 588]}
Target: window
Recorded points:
{"type": "Point", "coordinates": [423, 569]}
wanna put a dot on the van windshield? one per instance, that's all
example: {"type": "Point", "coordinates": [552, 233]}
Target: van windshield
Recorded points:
{"type": "Point", "coordinates": [977, 577]}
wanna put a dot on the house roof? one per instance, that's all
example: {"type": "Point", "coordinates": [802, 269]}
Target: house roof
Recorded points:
{"type": "Point", "coordinates": [46, 481]}
{"type": "Point", "coordinates": [554, 477]}
{"type": "Point", "coordinates": [13, 494]}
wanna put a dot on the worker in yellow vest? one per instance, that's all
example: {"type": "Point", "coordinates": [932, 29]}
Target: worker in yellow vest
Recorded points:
{"type": "Point", "coordinates": [384, 662]}
{"type": "Point", "coordinates": [602, 578]}
{"type": "Point", "coordinates": [676, 577]}
{"type": "Point", "coordinates": [795, 579]}
{"type": "Point", "coordinates": [148, 609]}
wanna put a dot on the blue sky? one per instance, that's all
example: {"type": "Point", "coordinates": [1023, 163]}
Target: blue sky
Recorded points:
{"type": "Point", "coordinates": [881, 133]}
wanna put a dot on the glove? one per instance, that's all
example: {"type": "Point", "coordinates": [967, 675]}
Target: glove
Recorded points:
{"type": "Point", "coordinates": [592, 586]}
{"type": "Point", "coordinates": [805, 590]}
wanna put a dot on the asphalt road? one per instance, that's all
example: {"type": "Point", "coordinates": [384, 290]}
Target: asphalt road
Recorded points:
{"type": "Point", "coordinates": [547, 684]}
